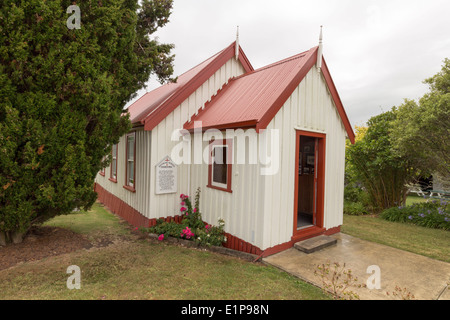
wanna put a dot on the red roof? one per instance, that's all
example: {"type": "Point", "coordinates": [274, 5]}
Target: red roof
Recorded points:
{"type": "Point", "coordinates": [154, 106]}
{"type": "Point", "coordinates": [253, 99]}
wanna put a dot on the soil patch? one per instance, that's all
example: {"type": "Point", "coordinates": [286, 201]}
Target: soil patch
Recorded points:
{"type": "Point", "coordinates": [41, 242]}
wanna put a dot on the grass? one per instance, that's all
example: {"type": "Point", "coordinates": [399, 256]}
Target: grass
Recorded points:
{"type": "Point", "coordinates": [143, 269]}
{"type": "Point", "coordinates": [414, 199]}
{"type": "Point", "coordinates": [97, 221]}
{"type": "Point", "coordinates": [433, 243]}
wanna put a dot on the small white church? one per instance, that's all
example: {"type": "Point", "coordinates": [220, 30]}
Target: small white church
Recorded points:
{"type": "Point", "coordinates": [266, 147]}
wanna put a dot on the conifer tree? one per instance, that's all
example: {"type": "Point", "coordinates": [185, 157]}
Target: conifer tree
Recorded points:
{"type": "Point", "coordinates": [62, 93]}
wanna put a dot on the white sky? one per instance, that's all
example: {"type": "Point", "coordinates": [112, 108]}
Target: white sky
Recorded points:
{"type": "Point", "coordinates": [378, 51]}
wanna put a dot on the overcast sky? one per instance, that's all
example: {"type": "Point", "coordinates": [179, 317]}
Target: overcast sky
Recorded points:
{"type": "Point", "coordinates": [378, 52]}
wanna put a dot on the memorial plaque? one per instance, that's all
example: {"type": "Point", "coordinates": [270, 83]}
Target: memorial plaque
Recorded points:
{"type": "Point", "coordinates": [166, 176]}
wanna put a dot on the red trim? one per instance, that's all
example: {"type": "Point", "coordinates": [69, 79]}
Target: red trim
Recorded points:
{"type": "Point", "coordinates": [229, 143]}
{"type": "Point", "coordinates": [136, 219]}
{"type": "Point", "coordinates": [152, 120]}
{"type": "Point", "coordinates": [320, 184]}
{"type": "Point", "coordinates": [276, 106]}
{"type": "Point", "coordinates": [337, 101]}
{"type": "Point", "coordinates": [125, 211]}
{"type": "Point", "coordinates": [127, 186]}
{"type": "Point", "coordinates": [111, 166]}
{"type": "Point", "coordinates": [238, 244]}
{"type": "Point", "coordinates": [102, 173]}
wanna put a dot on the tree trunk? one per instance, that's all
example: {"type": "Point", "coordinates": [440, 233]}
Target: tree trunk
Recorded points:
{"type": "Point", "coordinates": [17, 237]}
{"type": "Point", "coordinates": [2, 238]}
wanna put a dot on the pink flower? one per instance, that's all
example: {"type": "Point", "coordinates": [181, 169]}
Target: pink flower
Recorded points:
{"type": "Point", "coordinates": [187, 233]}
{"type": "Point", "coordinates": [182, 203]}
{"type": "Point", "coordinates": [181, 195]}
{"type": "Point", "coordinates": [195, 209]}
{"type": "Point", "coordinates": [161, 237]}
{"type": "Point", "coordinates": [183, 209]}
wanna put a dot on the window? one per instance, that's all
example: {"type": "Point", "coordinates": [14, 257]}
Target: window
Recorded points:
{"type": "Point", "coordinates": [219, 175]}
{"type": "Point", "coordinates": [130, 164]}
{"type": "Point", "coordinates": [113, 175]}
{"type": "Point", "coordinates": [103, 169]}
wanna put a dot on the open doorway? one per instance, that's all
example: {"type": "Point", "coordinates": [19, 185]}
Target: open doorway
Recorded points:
{"type": "Point", "coordinates": [309, 182]}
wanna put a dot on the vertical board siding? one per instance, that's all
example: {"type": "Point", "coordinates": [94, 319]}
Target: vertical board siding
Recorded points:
{"type": "Point", "coordinates": [168, 204]}
{"type": "Point", "coordinates": [259, 210]}
{"type": "Point", "coordinates": [138, 199]}
{"type": "Point", "coordinates": [310, 107]}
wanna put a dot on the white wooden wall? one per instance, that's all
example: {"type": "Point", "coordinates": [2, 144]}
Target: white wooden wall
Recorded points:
{"type": "Point", "coordinates": [138, 199]}
{"type": "Point", "coordinates": [309, 108]}
{"type": "Point", "coordinates": [260, 210]}
{"type": "Point", "coordinates": [152, 146]}
{"type": "Point", "coordinates": [162, 145]}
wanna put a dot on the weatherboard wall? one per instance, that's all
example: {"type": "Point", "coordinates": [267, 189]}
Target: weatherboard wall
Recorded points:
{"type": "Point", "coordinates": [138, 199]}
{"type": "Point", "coordinates": [260, 208]}
{"type": "Point", "coordinates": [162, 145]}
{"type": "Point", "coordinates": [310, 108]}
{"type": "Point", "coordinates": [153, 146]}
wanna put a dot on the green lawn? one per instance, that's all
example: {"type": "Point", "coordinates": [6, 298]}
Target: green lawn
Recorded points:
{"type": "Point", "coordinates": [429, 242]}
{"type": "Point", "coordinates": [143, 269]}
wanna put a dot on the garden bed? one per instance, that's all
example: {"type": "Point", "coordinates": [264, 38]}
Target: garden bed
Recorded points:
{"type": "Point", "coordinates": [192, 244]}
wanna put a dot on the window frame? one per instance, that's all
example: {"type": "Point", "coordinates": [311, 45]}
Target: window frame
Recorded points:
{"type": "Point", "coordinates": [130, 186]}
{"type": "Point", "coordinates": [228, 143]}
{"type": "Point", "coordinates": [113, 178]}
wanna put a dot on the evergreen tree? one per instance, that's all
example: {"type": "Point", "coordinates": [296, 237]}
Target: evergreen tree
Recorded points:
{"type": "Point", "coordinates": [62, 93]}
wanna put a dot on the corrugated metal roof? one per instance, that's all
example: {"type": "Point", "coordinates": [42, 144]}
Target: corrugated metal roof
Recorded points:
{"type": "Point", "coordinates": [247, 99]}
{"type": "Point", "coordinates": [154, 106]}
{"type": "Point", "coordinates": [153, 99]}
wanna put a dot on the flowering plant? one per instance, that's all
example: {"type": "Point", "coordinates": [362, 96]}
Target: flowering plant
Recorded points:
{"type": "Point", "coordinates": [187, 233]}
{"type": "Point", "coordinates": [431, 214]}
{"type": "Point", "coordinates": [192, 226]}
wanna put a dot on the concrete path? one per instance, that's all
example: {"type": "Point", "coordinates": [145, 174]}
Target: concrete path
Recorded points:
{"type": "Point", "coordinates": [425, 278]}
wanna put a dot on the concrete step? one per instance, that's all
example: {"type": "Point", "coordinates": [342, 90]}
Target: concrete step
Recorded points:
{"type": "Point", "coordinates": [314, 244]}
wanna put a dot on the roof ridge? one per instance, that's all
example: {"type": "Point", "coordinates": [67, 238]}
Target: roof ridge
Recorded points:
{"type": "Point", "coordinates": [294, 57]}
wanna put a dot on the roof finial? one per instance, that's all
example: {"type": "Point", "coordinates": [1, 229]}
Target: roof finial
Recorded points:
{"type": "Point", "coordinates": [319, 52]}
{"type": "Point", "coordinates": [237, 43]}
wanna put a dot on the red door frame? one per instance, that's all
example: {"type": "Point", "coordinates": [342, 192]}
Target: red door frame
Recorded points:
{"type": "Point", "coordinates": [320, 194]}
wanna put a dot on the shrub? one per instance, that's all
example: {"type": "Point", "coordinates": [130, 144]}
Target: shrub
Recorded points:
{"type": "Point", "coordinates": [354, 208]}
{"type": "Point", "coordinates": [192, 226]}
{"type": "Point", "coordinates": [431, 214]}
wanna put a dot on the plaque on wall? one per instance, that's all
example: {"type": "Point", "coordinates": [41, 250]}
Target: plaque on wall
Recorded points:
{"type": "Point", "coordinates": [166, 176]}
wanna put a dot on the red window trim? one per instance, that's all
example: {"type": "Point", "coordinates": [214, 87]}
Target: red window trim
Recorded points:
{"type": "Point", "coordinates": [127, 186]}
{"type": "Point", "coordinates": [111, 166]}
{"type": "Point", "coordinates": [229, 143]}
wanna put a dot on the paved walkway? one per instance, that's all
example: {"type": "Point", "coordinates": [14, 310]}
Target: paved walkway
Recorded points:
{"type": "Point", "coordinates": [423, 277]}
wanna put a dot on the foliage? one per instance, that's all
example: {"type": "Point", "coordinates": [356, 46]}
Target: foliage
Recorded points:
{"type": "Point", "coordinates": [421, 130]}
{"type": "Point", "coordinates": [371, 162]}
{"type": "Point", "coordinates": [192, 226]}
{"type": "Point", "coordinates": [62, 93]}
{"type": "Point", "coordinates": [337, 280]}
{"type": "Point", "coordinates": [355, 208]}
{"type": "Point", "coordinates": [431, 214]}
{"type": "Point", "coordinates": [401, 294]}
